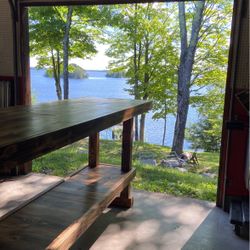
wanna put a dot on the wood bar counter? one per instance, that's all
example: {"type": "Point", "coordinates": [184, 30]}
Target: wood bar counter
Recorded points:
{"type": "Point", "coordinates": [56, 219]}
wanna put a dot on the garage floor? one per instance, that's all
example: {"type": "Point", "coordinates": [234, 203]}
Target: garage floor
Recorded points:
{"type": "Point", "coordinates": [159, 221]}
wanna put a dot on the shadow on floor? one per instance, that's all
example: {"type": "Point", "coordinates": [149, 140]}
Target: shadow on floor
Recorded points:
{"type": "Point", "coordinates": [159, 221]}
{"type": "Point", "coordinates": [215, 232]}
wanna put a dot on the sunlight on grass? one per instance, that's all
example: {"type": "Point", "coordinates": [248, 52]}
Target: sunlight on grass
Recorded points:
{"type": "Point", "coordinates": [151, 178]}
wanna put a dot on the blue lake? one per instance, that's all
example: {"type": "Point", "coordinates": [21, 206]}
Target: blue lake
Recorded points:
{"type": "Point", "coordinates": [97, 85]}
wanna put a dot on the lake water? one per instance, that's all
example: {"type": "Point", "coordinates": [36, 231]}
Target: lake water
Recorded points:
{"type": "Point", "coordinates": [97, 85]}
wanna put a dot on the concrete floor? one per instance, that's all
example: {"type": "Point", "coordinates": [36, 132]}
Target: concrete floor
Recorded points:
{"type": "Point", "coordinates": [159, 221]}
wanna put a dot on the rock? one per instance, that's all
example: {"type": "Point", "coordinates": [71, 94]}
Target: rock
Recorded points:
{"type": "Point", "coordinates": [46, 171]}
{"type": "Point", "coordinates": [182, 169]}
{"type": "Point", "coordinates": [148, 161]}
{"type": "Point", "coordinates": [171, 163]}
{"type": "Point", "coordinates": [209, 175]}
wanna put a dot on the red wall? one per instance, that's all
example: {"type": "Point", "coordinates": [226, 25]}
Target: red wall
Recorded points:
{"type": "Point", "coordinates": [235, 182]}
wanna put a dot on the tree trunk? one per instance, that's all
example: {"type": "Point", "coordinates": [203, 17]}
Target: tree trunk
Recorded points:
{"type": "Point", "coordinates": [66, 54]}
{"type": "Point", "coordinates": [136, 129]}
{"type": "Point", "coordinates": [56, 76]}
{"type": "Point", "coordinates": [142, 127]}
{"type": "Point", "coordinates": [59, 75]}
{"type": "Point", "coordinates": [136, 61]}
{"type": "Point", "coordinates": [185, 71]}
{"type": "Point", "coordinates": [165, 126]}
{"type": "Point", "coordinates": [145, 85]}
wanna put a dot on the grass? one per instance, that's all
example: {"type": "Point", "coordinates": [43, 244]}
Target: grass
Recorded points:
{"type": "Point", "coordinates": [151, 178]}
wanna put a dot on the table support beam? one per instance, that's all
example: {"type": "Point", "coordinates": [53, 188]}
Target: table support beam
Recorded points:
{"type": "Point", "coordinates": [125, 200]}
{"type": "Point", "coordinates": [94, 150]}
{"type": "Point", "coordinates": [127, 143]}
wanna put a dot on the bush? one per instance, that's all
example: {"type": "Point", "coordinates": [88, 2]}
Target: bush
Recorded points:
{"type": "Point", "coordinates": [75, 72]}
{"type": "Point", "coordinates": [205, 135]}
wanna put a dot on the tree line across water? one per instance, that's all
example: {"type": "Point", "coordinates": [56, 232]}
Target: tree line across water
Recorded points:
{"type": "Point", "coordinates": [174, 54]}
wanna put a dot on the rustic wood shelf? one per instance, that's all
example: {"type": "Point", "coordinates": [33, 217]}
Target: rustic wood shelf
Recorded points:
{"type": "Point", "coordinates": [28, 132]}
{"type": "Point", "coordinates": [57, 219]}
{"type": "Point", "coordinates": [16, 192]}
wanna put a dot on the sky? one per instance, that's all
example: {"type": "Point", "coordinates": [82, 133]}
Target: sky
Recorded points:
{"type": "Point", "coordinates": [98, 62]}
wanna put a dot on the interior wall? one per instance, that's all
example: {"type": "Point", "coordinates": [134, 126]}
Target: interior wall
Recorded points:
{"type": "Point", "coordinates": [6, 42]}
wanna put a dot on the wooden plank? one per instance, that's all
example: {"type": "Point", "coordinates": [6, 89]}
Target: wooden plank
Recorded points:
{"type": "Point", "coordinates": [19, 191]}
{"type": "Point", "coordinates": [94, 145]}
{"type": "Point", "coordinates": [58, 218]}
{"type": "Point", "coordinates": [127, 143]}
{"type": "Point", "coordinates": [125, 199]}
{"type": "Point", "coordinates": [28, 132]}
{"type": "Point", "coordinates": [82, 2]}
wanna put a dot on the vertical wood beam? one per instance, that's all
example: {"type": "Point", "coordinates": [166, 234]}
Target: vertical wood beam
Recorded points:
{"type": "Point", "coordinates": [24, 93]}
{"type": "Point", "coordinates": [94, 150]}
{"type": "Point", "coordinates": [125, 200]}
{"type": "Point", "coordinates": [127, 142]}
{"type": "Point", "coordinates": [25, 85]}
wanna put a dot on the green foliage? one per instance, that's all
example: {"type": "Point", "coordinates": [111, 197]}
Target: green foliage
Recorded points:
{"type": "Point", "coordinates": [75, 72]}
{"type": "Point", "coordinates": [47, 26]}
{"type": "Point", "coordinates": [47, 30]}
{"type": "Point", "coordinates": [171, 181]}
{"type": "Point", "coordinates": [115, 74]}
{"type": "Point", "coordinates": [61, 162]}
{"type": "Point", "coordinates": [154, 179]}
{"type": "Point", "coordinates": [137, 48]}
{"type": "Point", "coordinates": [205, 134]}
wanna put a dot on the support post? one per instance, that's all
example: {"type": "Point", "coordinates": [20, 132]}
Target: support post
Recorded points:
{"type": "Point", "coordinates": [125, 200]}
{"type": "Point", "coordinates": [94, 150]}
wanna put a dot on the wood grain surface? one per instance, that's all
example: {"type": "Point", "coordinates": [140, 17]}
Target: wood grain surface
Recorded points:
{"type": "Point", "coordinates": [58, 218]}
{"type": "Point", "coordinates": [16, 192]}
{"type": "Point", "coordinates": [27, 132]}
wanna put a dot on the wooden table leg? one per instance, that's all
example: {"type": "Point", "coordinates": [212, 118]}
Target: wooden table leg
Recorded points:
{"type": "Point", "coordinates": [94, 150]}
{"type": "Point", "coordinates": [21, 169]}
{"type": "Point", "coordinates": [125, 200]}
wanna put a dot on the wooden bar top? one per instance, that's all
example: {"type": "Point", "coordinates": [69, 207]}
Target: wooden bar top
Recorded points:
{"type": "Point", "coordinates": [27, 132]}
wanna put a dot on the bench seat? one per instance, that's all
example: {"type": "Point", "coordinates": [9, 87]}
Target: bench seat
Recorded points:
{"type": "Point", "coordinates": [59, 217]}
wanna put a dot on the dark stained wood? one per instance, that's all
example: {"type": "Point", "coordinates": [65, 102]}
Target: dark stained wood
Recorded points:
{"type": "Point", "coordinates": [25, 168]}
{"type": "Point", "coordinates": [94, 150]}
{"type": "Point", "coordinates": [125, 200]}
{"type": "Point", "coordinates": [16, 192]}
{"type": "Point", "coordinates": [127, 143]}
{"type": "Point", "coordinates": [58, 218]}
{"type": "Point", "coordinates": [28, 132]}
{"type": "Point", "coordinates": [84, 2]}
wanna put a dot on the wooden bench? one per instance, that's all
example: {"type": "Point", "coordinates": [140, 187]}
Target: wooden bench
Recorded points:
{"type": "Point", "coordinates": [56, 219]}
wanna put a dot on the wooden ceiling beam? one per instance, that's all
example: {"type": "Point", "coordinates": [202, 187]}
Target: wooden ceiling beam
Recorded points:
{"type": "Point", "coordinates": [86, 2]}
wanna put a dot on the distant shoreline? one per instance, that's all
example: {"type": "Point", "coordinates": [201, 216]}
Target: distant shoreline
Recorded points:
{"type": "Point", "coordinates": [91, 70]}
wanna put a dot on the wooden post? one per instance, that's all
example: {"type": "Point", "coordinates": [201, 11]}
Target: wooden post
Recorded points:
{"type": "Point", "coordinates": [127, 143]}
{"type": "Point", "coordinates": [94, 150]}
{"type": "Point", "coordinates": [125, 200]}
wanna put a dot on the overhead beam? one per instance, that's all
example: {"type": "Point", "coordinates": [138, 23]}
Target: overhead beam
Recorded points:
{"type": "Point", "coordinates": [86, 2]}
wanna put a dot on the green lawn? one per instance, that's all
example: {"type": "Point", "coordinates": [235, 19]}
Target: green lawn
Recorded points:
{"type": "Point", "coordinates": [151, 178]}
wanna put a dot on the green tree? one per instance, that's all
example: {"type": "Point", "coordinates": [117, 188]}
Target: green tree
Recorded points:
{"type": "Point", "coordinates": [136, 44]}
{"type": "Point", "coordinates": [204, 34]}
{"type": "Point", "coordinates": [58, 34]}
{"type": "Point", "coordinates": [206, 133]}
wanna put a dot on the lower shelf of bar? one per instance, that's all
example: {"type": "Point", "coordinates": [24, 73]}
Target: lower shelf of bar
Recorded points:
{"type": "Point", "coordinates": [59, 217]}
